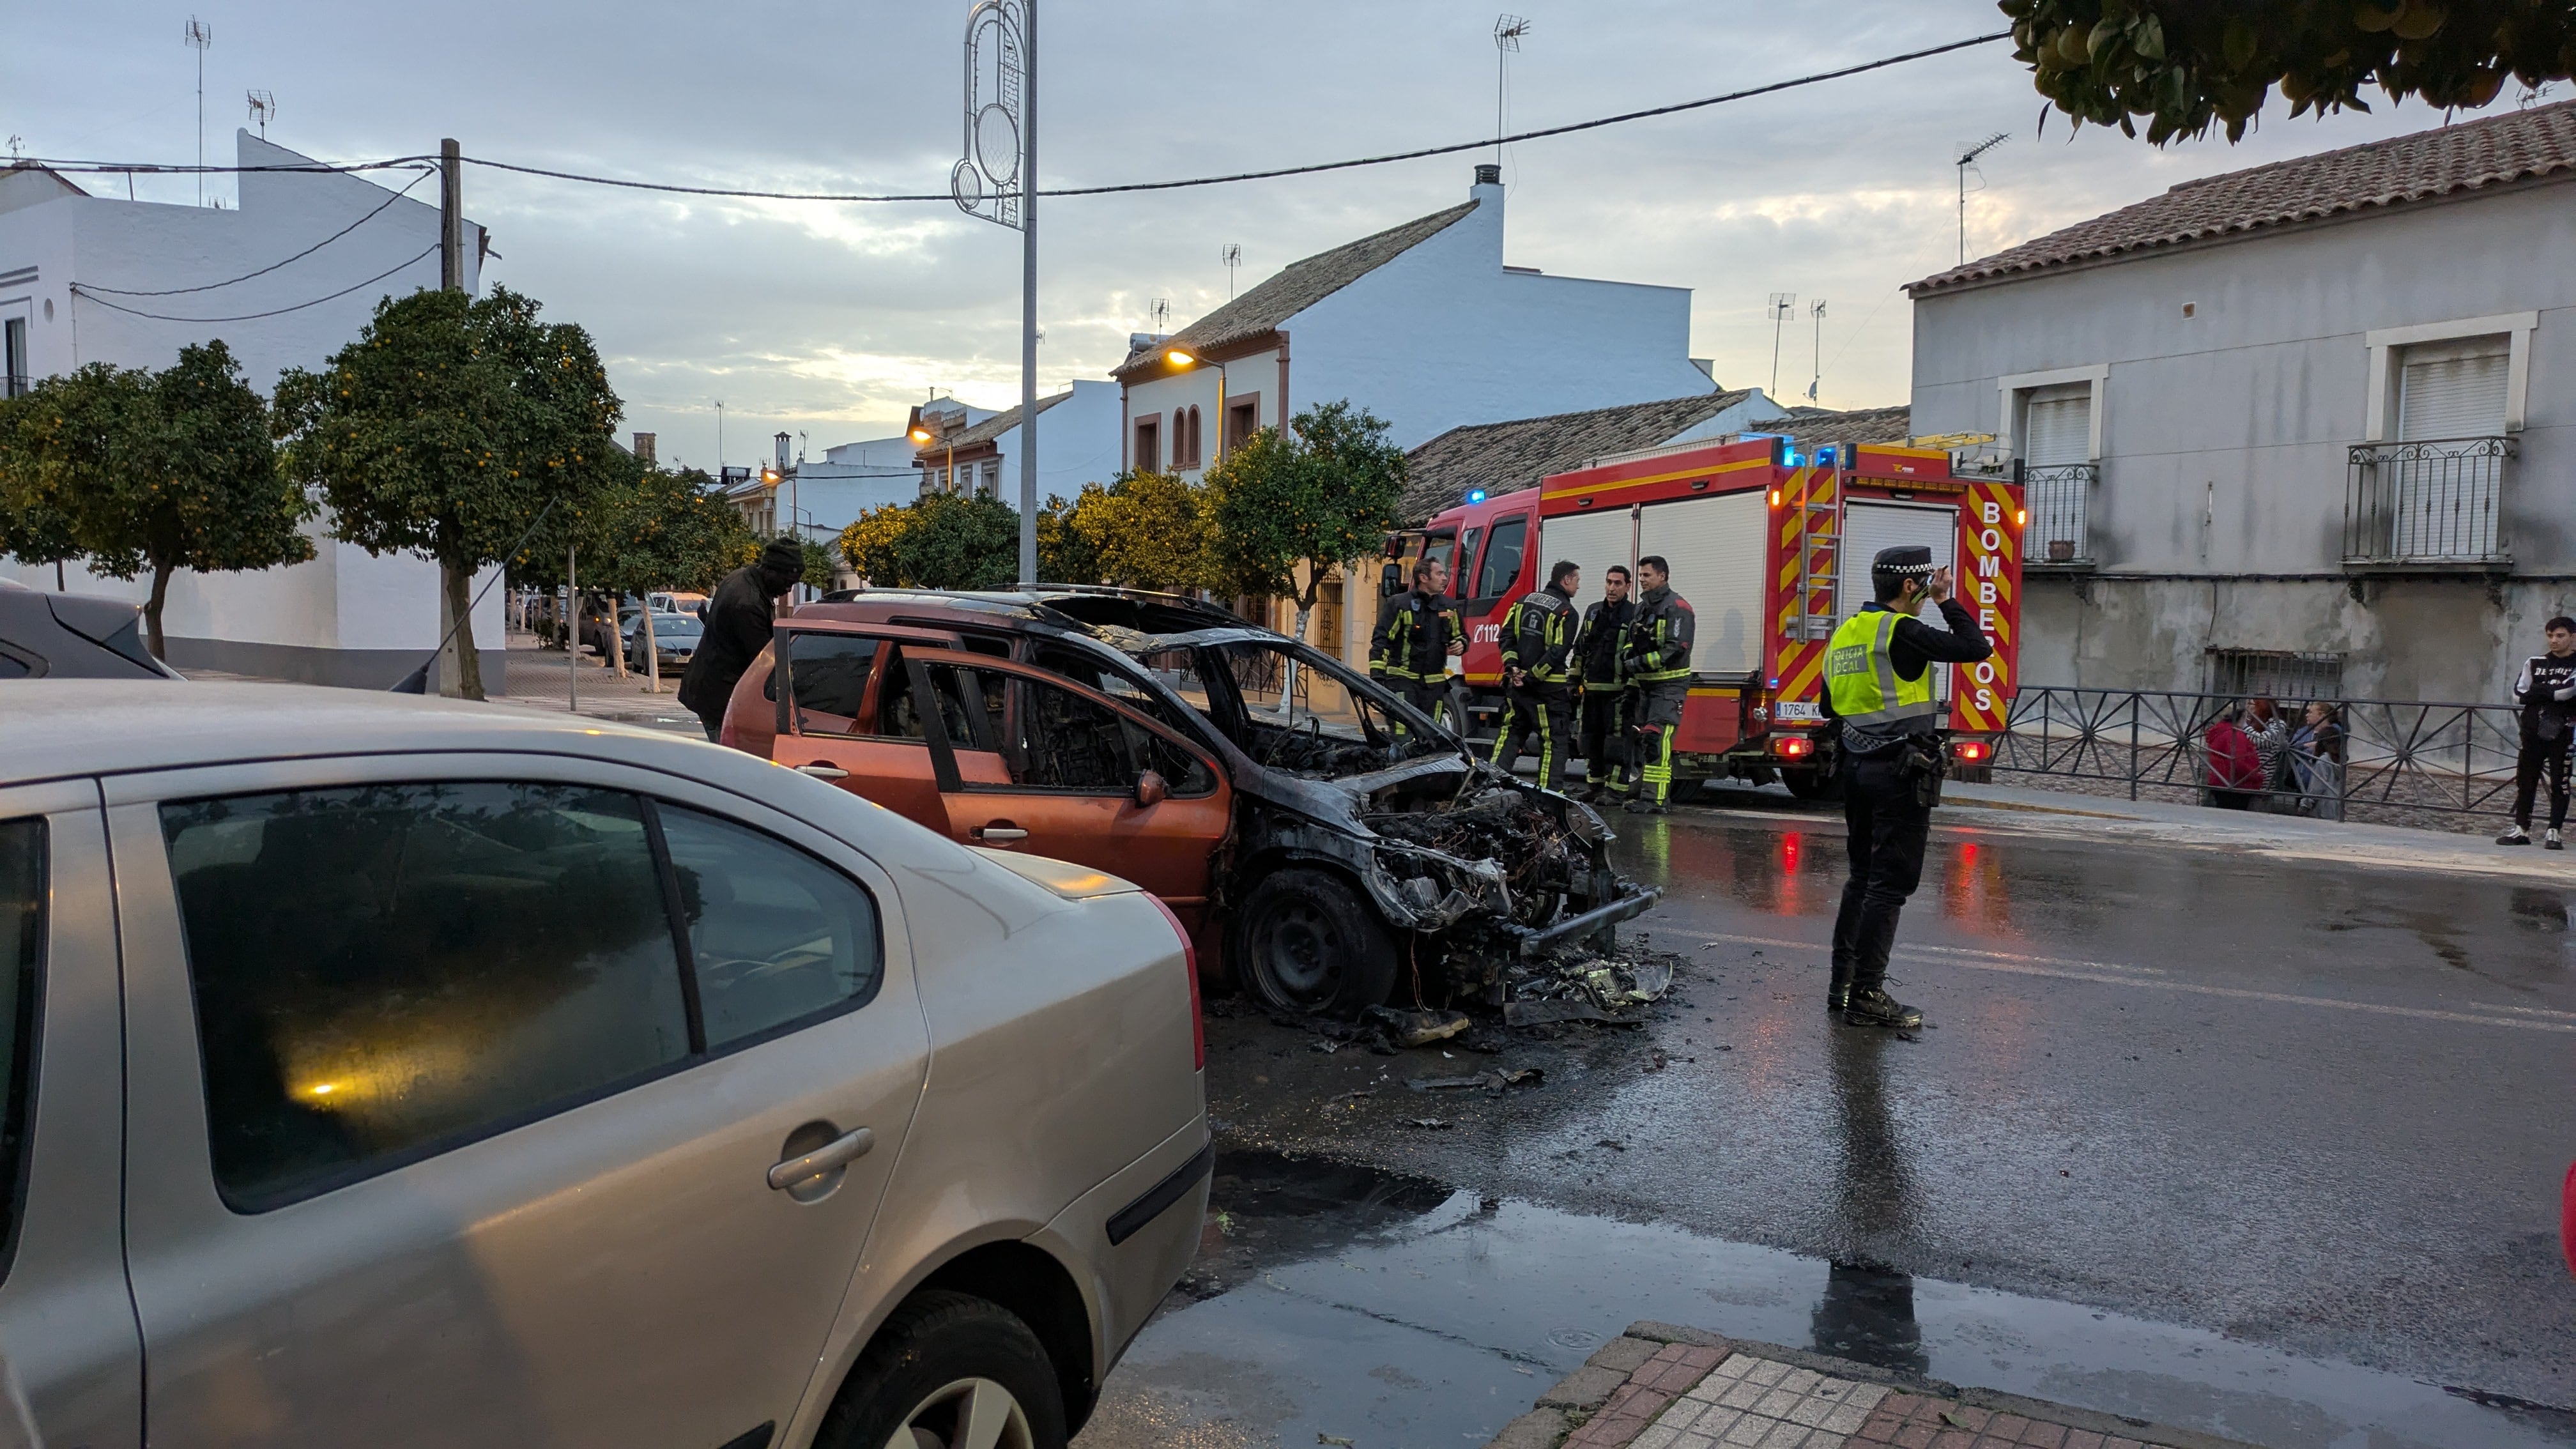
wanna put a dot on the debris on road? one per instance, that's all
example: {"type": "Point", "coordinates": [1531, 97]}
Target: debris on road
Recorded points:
{"type": "Point", "coordinates": [1493, 1083]}
{"type": "Point", "coordinates": [1418, 1028]}
{"type": "Point", "coordinates": [1430, 1124]}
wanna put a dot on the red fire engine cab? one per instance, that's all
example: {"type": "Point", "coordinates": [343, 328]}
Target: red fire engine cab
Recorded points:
{"type": "Point", "coordinates": [1772, 549]}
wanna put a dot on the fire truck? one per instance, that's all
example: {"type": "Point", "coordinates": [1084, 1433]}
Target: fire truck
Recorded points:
{"type": "Point", "coordinates": [1772, 549]}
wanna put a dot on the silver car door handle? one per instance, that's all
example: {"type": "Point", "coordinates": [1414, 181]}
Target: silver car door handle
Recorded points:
{"type": "Point", "coordinates": [839, 1152]}
{"type": "Point", "coordinates": [992, 833]}
{"type": "Point", "coordinates": [821, 771]}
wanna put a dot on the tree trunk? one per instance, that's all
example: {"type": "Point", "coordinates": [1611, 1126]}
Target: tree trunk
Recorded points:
{"type": "Point", "coordinates": [456, 583]}
{"type": "Point", "coordinates": [617, 634]}
{"type": "Point", "coordinates": [152, 612]}
{"type": "Point", "coordinates": [652, 651]}
{"type": "Point", "coordinates": [1288, 676]}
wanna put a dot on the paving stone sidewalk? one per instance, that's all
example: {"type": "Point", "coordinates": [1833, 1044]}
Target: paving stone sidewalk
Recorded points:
{"type": "Point", "coordinates": [1659, 1386]}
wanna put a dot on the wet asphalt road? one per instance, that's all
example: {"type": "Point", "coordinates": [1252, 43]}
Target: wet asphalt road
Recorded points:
{"type": "Point", "coordinates": [2187, 1135]}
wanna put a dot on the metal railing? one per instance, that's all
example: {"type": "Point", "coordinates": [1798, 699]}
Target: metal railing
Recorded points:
{"type": "Point", "coordinates": [15, 384]}
{"type": "Point", "coordinates": [2058, 498]}
{"type": "Point", "coordinates": [2389, 755]}
{"type": "Point", "coordinates": [2434, 501]}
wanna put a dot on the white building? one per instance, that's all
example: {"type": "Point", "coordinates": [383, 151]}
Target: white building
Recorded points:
{"type": "Point", "coordinates": [2304, 429]}
{"type": "Point", "coordinates": [1423, 325]}
{"type": "Point", "coordinates": [95, 278]}
{"type": "Point", "coordinates": [960, 449]}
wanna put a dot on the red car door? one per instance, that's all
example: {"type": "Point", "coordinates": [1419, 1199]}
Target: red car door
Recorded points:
{"type": "Point", "coordinates": [1034, 762]}
{"type": "Point", "coordinates": [830, 723]}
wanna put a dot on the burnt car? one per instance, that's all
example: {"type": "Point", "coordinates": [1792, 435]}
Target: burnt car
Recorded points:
{"type": "Point", "coordinates": [72, 636]}
{"type": "Point", "coordinates": [1317, 837]}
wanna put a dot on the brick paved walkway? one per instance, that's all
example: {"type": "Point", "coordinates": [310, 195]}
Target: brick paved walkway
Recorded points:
{"type": "Point", "coordinates": [1661, 1387]}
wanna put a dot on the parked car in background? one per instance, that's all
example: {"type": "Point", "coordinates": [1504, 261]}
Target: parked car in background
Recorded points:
{"type": "Point", "coordinates": [1311, 854]}
{"type": "Point", "coordinates": [72, 636]}
{"type": "Point", "coordinates": [428, 1074]}
{"type": "Point", "coordinates": [675, 640]}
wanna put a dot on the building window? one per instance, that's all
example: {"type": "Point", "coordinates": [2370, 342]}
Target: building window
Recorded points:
{"type": "Point", "coordinates": [1197, 458]}
{"type": "Point", "coordinates": [2275, 674]}
{"type": "Point", "coordinates": [2452, 389]}
{"type": "Point", "coordinates": [2434, 492]}
{"type": "Point", "coordinates": [13, 357]}
{"type": "Point", "coordinates": [993, 477]}
{"type": "Point", "coordinates": [1242, 420]}
{"type": "Point", "coordinates": [2058, 471]}
{"type": "Point", "coordinates": [1149, 446]}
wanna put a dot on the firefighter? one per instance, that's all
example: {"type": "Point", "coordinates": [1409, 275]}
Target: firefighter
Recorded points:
{"type": "Point", "coordinates": [1538, 669]}
{"type": "Point", "coordinates": [1417, 631]}
{"type": "Point", "coordinates": [1597, 647]}
{"type": "Point", "coordinates": [1878, 685]}
{"type": "Point", "coordinates": [1658, 668]}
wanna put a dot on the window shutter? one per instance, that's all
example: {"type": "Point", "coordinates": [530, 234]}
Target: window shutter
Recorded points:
{"type": "Point", "coordinates": [2058, 425]}
{"type": "Point", "coordinates": [2452, 390]}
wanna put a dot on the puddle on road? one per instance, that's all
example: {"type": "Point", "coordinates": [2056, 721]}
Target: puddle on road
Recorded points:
{"type": "Point", "coordinates": [1385, 1309]}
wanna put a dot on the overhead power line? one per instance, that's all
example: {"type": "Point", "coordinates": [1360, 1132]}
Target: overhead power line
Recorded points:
{"type": "Point", "coordinates": [273, 266]}
{"type": "Point", "coordinates": [83, 289]}
{"type": "Point", "coordinates": [1263, 175]}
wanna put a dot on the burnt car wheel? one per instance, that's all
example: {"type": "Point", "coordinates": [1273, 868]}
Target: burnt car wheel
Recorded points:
{"type": "Point", "coordinates": [1306, 943]}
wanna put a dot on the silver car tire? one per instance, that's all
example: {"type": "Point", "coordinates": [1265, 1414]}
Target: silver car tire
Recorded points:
{"type": "Point", "coordinates": [949, 1371]}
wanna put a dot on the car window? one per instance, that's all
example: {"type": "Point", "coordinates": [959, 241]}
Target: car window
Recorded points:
{"type": "Point", "coordinates": [1502, 558]}
{"type": "Point", "coordinates": [384, 971]}
{"type": "Point", "coordinates": [13, 667]}
{"type": "Point", "coordinates": [903, 715]}
{"type": "Point", "coordinates": [830, 673]}
{"type": "Point", "coordinates": [1110, 680]}
{"type": "Point", "coordinates": [22, 943]}
{"type": "Point", "coordinates": [1062, 741]}
{"type": "Point", "coordinates": [775, 936]}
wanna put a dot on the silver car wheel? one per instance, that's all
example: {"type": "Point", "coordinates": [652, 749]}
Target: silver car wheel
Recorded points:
{"type": "Point", "coordinates": [968, 1414]}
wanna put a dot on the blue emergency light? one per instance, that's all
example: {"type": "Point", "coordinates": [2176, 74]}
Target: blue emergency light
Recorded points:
{"type": "Point", "coordinates": [1475, 495]}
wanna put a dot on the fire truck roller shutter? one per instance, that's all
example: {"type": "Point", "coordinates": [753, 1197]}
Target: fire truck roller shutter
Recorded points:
{"type": "Point", "coordinates": [1715, 546]}
{"type": "Point", "coordinates": [1592, 542]}
{"type": "Point", "coordinates": [1869, 527]}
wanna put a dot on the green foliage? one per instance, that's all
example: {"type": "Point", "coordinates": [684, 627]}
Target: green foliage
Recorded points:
{"type": "Point", "coordinates": [2188, 65]}
{"type": "Point", "coordinates": [147, 473]}
{"type": "Point", "coordinates": [652, 530]}
{"type": "Point", "coordinates": [1307, 501]}
{"type": "Point", "coordinates": [31, 530]}
{"type": "Point", "coordinates": [941, 541]}
{"type": "Point", "coordinates": [818, 564]}
{"type": "Point", "coordinates": [447, 427]}
{"type": "Point", "coordinates": [1143, 531]}
{"type": "Point", "coordinates": [1066, 553]}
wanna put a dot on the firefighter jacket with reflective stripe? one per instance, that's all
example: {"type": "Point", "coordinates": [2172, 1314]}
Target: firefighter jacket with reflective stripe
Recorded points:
{"type": "Point", "coordinates": [1861, 681]}
{"type": "Point", "coordinates": [1538, 636]}
{"type": "Point", "coordinates": [1600, 642]}
{"type": "Point", "coordinates": [1660, 638]}
{"type": "Point", "coordinates": [1412, 637]}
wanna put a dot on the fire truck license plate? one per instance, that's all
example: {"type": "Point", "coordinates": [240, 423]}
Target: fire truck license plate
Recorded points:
{"type": "Point", "coordinates": [1792, 709]}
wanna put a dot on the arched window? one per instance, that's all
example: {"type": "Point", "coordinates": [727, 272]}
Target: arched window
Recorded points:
{"type": "Point", "coordinates": [1194, 438]}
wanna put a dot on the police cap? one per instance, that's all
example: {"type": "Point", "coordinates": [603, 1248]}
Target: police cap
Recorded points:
{"type": "Point", "coordinates": [1905, 561]}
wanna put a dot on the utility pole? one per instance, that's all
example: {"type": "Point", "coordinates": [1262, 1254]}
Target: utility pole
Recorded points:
{"type": "Point", "coordinates": [451, 278]}
{"type": "Point", "coordinates": [1029, 296]}
{"type": "Point", "coordinates": [1816, 379]}
{"type": "Point", "coordinates": [1783, 304]}
{"type": "Point", "coordinates": [200, 35]}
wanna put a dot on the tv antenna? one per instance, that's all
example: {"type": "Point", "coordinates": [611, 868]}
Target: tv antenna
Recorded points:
{"type": "Point", "coordinates": [263, 105]}
{"type": "Point", "coordinates": [1816, 310]}
{"type": "Point", "coordinates": [1784, 305]}
{"type": "Point", "coordinates": [1969, 151]}
{"type": "Point", "coordinates": [1508, 30]}
{"type": "Point", "coordinates": [1232, 256]}
{"type": "Point", "coordinates": [1158, 315]}
{"type": "Point", "coordinates": [198, 36]}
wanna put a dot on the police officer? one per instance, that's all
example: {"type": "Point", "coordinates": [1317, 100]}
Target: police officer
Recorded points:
{"type": "Point", "coordinates": [1597, 648]}
{"type": "Point", "coordinates": [1538, 670]}
{"type": "Point", "coordinates": [1417, 631]}
{"type": "Point", "coordinates": [1658, 667]}
{"type": "Point", "coordinates": [1878, 684]}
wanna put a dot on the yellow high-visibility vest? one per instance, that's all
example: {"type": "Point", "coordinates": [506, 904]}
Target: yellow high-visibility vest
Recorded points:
{"type": "Point", "coordinates": [1860, 674]}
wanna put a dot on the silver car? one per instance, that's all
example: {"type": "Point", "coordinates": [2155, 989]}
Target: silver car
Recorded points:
{"type": "Point", "coordinates": [393, 1072]}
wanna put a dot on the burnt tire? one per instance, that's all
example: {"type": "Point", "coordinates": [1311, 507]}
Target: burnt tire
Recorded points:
{"type": "Point", "coordinates": [1814, 784]}
{"type": "Point", "coordinates": [943, 1360]}
{"type": "Point", "coordinates": [1305, 942]}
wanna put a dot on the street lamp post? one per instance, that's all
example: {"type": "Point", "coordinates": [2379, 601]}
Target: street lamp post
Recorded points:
{"type": "Point", "coordinates": [922, 437]}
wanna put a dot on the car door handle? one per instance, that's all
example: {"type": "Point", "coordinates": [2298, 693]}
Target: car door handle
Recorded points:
{"type": "Point", "coordinates": [999, 831]}
{"type": "Point", "coordinates": [841, 1151]}
{"type": "Point", "coordinates": [821, 771]}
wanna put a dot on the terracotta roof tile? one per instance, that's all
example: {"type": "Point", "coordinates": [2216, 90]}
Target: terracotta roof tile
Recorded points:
{"type": "Point", "coordinates": [2446, 161]}
{"type": "Point", "coordinates": [1503, 457]}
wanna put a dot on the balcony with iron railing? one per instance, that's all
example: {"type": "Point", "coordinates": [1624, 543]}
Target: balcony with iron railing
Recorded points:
{"type": "Point", "coordinates": [15, 384]}
{"type": "Point", "coordinates": [2059, 497]}
{"type": "Point", "coordinates": [2434, 502]}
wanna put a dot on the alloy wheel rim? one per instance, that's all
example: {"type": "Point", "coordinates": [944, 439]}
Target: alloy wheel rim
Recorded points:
{"type": "Point", "coordinates": [972, 1413]}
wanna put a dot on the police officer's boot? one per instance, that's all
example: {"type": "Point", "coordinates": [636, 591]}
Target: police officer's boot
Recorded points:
{"type": "Point", "coordinates": [1872, 1006]}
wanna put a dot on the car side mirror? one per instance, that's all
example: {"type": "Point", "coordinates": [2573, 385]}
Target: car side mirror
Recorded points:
{"type": "Point", "coordinates": [1390, 580]}
{"type": "Point", "coordinates": [1152, 790]}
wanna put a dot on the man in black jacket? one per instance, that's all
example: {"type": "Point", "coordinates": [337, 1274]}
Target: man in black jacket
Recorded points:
{"type": "Point", "coordinates": [1657, 666]}
{"type": "Point", "coordinates": [1878, 687]}
{"type": "Point", "coordinates": [2547, 693]}
{"type": "Point", "coordinates": [1598, 646]}
{"type": "Point", "coordinates": [1417, 633]}
{"type": "Point", "coordinates": [737, 620]}
{"type": "Point", "coordinates": [1538, 659]}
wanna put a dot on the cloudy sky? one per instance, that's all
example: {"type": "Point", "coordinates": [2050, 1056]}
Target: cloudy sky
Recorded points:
{"type": "Point", "coordinates": [831, 319]}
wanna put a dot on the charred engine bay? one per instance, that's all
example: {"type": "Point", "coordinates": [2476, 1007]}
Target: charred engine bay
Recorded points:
{"type": "Point", "coordinates": [1490, 865]}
